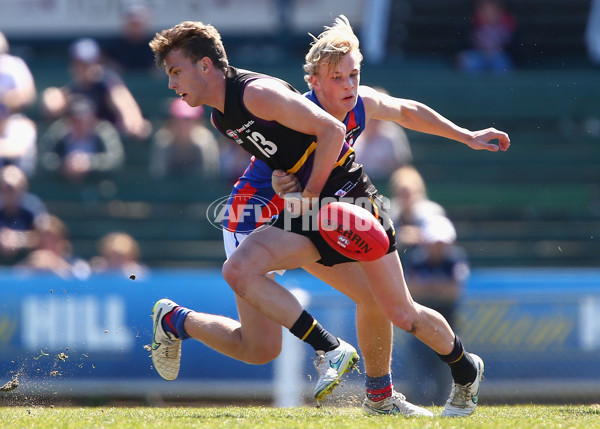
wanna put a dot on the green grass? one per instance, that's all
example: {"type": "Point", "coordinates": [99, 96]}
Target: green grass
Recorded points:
{"type": "Point", "coordinates": [517, 417]}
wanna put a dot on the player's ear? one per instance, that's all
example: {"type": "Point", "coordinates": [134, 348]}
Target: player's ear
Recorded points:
{"type": "Point", "coordinates": [314, 82]}
{"type": "Point", "coordinates": [205, 64]}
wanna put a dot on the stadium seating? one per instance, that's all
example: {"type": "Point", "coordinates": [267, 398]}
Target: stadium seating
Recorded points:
{"type": "Point", "coordinates": [547, 29]}
{"type": "Point", "coordinates": [533, 205]}
{"type": "Point", "coordinates": [536, 205]}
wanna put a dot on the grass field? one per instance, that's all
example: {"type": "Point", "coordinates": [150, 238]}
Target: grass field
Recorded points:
{"type": "Point", "coordinates": [517, 417]}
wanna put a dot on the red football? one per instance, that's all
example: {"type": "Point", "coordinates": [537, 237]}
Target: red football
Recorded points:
{"type": "Point", "coordinates": [353, 231]}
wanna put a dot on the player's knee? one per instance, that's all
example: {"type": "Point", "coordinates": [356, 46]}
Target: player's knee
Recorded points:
{"type": "Point", "coordinates": [405, 320]}
{"type": "Point", "coordinates": [235, 275]}
{"type": "Point", "coordinates": [263, 355]}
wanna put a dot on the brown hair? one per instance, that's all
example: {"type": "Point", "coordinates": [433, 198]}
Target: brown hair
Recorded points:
{"type": "Point", "coordinates": [197, 40]}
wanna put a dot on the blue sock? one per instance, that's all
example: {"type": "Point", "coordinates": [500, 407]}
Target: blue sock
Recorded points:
{"type": "Point", "coordinates": [173, 322]}
{"type": "Point", "coordinates": [379, 388]}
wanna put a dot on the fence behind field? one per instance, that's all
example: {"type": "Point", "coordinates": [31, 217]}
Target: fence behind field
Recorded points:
{"type": "Point", "coordinates": [537, 331]}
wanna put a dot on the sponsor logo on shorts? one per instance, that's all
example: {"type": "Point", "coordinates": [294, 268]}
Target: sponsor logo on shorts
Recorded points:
{"type": "Point", "coordinates": [345, 189]}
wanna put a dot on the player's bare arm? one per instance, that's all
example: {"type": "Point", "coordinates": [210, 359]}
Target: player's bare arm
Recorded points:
{"type": "Point", "coordinates": [419, 117]}
{"type": "Point", "coordinates": [270, 100]}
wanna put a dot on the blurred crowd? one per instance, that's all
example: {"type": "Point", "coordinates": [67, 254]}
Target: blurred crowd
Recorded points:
{"type": "Point", "coordinates": [490, 38]}
{"type": "Point", "coordinates": [87, 123]}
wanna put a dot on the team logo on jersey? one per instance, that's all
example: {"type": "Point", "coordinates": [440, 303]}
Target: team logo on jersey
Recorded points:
{"type": "Point", "coordinates": [350, 135]}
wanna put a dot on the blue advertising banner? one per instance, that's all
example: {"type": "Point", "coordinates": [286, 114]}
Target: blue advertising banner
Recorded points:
{"type": "Point", "coordinates": [535, 324]}
{"type": "Point", "coordinates": [72, 335]}
{"type": "Point", "coordinates": [103, 324]}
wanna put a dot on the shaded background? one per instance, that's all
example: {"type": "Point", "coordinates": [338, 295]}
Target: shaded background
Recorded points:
{"type": "Point", "coordinates": [535, 206]}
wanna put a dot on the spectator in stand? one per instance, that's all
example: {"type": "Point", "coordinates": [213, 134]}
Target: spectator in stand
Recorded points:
{"type": "Point", "coordinates": [233, 160]}
{"type": "Point", "coordinates": [129, 51]}
{"type": "Point", "coordinates": [436, 271]}
{"type": "Point", "coordinates": [80, 145]}
{"type": "Point", "coordinates": [53, 251]}
{"type": "Point", "coordinates": [17, 86]}
{"type": "Point", "coordinates": [409, 206]}
{"type": "Point", "coordinates": [382, 148]}
{"type": "Point", "coordinates": [119, 252]}
{"type": "Point", "coordinates": [18, 211]}
{"type": "Point", "coordinates": [184, 146]}
{"type": "Point", "coordinates": [18, 141]}
{"type": "Point", "coordinates": [592, 32]}
{"type": "Point", "coordinates": [113, 100]}
{"type": "Point", "coordinates": [489, 39]}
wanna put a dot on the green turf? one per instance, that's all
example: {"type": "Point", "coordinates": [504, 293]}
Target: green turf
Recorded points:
{"type": "Point", "coordinates": [517, 417]}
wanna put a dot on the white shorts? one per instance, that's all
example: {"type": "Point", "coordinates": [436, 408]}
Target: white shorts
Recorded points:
{"type": "Point", "coordinates": [231, 240]}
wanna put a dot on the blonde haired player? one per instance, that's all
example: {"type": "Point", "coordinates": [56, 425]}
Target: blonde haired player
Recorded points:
{"type": "Point", "coordinates": [332, 69]}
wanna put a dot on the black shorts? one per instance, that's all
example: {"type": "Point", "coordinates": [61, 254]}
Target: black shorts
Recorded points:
{"type": "Point", "coordinates": [339, 188]}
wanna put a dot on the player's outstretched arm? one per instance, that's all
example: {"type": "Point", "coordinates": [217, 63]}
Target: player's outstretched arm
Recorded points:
{"type": "Point", "coordinates": [417, 116]}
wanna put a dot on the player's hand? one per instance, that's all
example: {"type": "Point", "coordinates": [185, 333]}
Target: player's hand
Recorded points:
{"type": "Point", "coordinates": [482, 140]}
{"type": "Point", "coordinates": [284, 183]}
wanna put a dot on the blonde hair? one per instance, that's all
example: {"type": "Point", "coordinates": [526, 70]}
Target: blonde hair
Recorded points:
{"type": "Point", "coordinates": [330, 46]}
{"type": "Point", "coordinates": [53, 225]}
{"type": "Point", "coordinates": [197, 40]}
{"type": "Point", "coordinates": [120, 242]}
{"type": "Point", "coordinates": [408, 177]}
